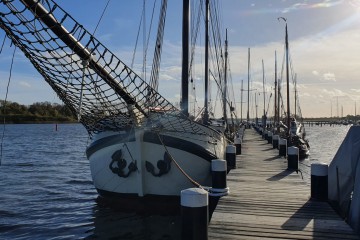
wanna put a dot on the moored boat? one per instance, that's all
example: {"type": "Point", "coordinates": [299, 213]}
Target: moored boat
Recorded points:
{"type": "Point", "coordinates": [141, 144]}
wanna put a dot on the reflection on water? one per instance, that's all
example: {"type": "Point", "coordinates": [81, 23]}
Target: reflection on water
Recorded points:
{"type": "Point", "coordinates": [47, 191]}
{"type": "Point", "coordinates": [112, 224]}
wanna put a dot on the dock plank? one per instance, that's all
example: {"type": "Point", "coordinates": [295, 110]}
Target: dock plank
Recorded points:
{"type": "Point", "coordinates": [267, 201]}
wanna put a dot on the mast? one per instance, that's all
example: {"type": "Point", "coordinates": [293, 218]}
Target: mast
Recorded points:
{"type": "Point", "coordinates": [241, 100]}
{"type": "Point", "coordinates": [287, 79]}
{"type": "Point", "coordinates": [330, 108]}
{"type": "Point", "coordinates": [264, 116]}
{"type": "Point", "coordinates": [295, 96]}
{"type": "Point", "coordinates": [276, 120]}
{"type": "Point", "coordinates": [225, 78]}
{"type": "Point", "coordinates": [206, 110]}
{"type": "Point", "coordinates": [256, 110]}
{"type": "Point", "coordinates": [185, 59]}
{"type": "Point", "coordinates": [278, 104]}
{"type": "Point", "coordinates": [263, 83]}
{"type": "Point", "coordinates": [248, 101]}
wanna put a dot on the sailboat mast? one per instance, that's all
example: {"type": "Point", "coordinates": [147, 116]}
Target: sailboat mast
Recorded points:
{"type": "Point", "coordinates": [287, 80]}
{"type": "Point", "coordinates": [256, 111]}
{"type": "Point", "coordinates": [185, 58]}
{"type": "Point", "coordinates": [278, 104]}
{"type": "Point", "coordinates": [276, 120]}
{"type": "Point", "coordinates": [241, 101]}
{"type": "Point", "coordinates": [248, 100]}
{"type": "Point", "coordinates": [295, 96]}
{"type": "Point", "coordinates": [331, 108]}
{"type": "Point", "coordinates": [263, 84]}
{"type": "Point", "coordinates": [225, 77]}
{"type": "Point", "coordinates": [206, 110]}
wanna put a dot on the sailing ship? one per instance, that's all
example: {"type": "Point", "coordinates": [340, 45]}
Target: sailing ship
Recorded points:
{"type": "Point", "coordinates": [141, 144]}
{"type": "Point", "coordinates": [292, 130]}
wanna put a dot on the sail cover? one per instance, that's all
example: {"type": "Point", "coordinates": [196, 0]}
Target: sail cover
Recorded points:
{"type": "Point", "coordinates": [87, 77]}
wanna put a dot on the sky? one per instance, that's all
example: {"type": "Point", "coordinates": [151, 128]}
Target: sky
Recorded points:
{"type": "Point", "coordinates": [324, 44]}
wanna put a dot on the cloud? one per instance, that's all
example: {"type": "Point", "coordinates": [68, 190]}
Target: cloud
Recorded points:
{"type": "Point", "coordinates": [329, 77]}
{"type": "Point", "coordinates": [301, 86]}
{"type": "Point", "coordinates": [332, 93]}
{"type": "Point", "coordinates": [24, 84]}
{"type": "Point", "coordinates": [294, 7]}
{"type": "Point", "coordinates": [355, 90]}
{"type": "Point", "coordinates": [305, 5]}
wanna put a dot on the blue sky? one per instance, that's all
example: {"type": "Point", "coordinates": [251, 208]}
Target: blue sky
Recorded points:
{"type": "Point", "coordinates": [324, 41]}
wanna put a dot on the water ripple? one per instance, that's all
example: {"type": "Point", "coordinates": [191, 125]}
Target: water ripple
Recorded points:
{"type": "Point", "coordinates": [47, 190]}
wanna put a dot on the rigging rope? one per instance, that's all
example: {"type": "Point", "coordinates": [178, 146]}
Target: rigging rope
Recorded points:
{"type": "Point", "coordinates": [137, 39]}
{"type": "Point", "coordinates": [85, 64]}
{"type": "Point", "coordinates": [280, 83]}
{"type": "Point", "coordinates": [146, 39]}
{"type": "Point", "coordinates": [2, 45]}
{"type": "Point", "coordinates": [114, 96]}
{"type": "Point", "coordinates": [212, 191]}
{"type": "Point", "coordinates": [97, 25]}
{"type": "Point", "coordinates": [195, 26]}
{"type": "Point", "coordinates": [294, 81]}
{"type": "Point", "coordinates": [144, 43]}
{"type": "Point", "coordinates": [151, 23]}
{"type": "Point", "coordinates": [154, 78]}
{"type": "Point", "coordinates": [177, 164]}
{"type": "Point", "coordinates": [4, 106]}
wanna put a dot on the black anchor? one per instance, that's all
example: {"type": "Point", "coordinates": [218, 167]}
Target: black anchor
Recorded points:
{"type": "Point", "coordinates": [121, 165]}
{"type": "Point", "coordinates": [164, 166]}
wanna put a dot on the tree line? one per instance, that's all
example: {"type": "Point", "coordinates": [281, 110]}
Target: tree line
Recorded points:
{"type": "Point", "coordinates": [39, 112]}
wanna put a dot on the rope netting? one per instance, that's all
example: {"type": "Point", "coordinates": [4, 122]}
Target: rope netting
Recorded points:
{"type": "Point", "coordinates": [97, 86]}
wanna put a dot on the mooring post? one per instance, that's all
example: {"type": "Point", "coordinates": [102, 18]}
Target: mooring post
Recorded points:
{"type": "Point", "coordinates": [237, 143]}
{"type": "Point", "coordinates": [265, 135]}
{"type": "Point", "coordinates": [275, 141]}
{"type": "Point", "coordinates": [194, 213]}
{"type": "Point", "coordinates": [231, 156]}
{"type": "Point", "coordinates": [269, 138]}
{"type": "Point", "coordinates": [218, 173]}
{"type": "Point", "coordinates": [319, 181]}
{"type": "Point", "coordinates": [293, 158]}
{"type": "Point", "coordinates": [282, 147]}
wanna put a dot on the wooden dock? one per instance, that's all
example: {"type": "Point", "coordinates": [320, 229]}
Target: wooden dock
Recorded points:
{"type": "Point", "coordinates": [266, 201]}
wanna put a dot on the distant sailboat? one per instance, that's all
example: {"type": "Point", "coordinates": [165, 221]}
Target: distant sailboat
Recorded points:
{"type": "Point", "coordinates": [293, 130]}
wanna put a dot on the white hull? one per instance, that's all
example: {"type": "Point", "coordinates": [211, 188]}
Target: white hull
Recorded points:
{"type": "Point", "coordinates": [111, 175]}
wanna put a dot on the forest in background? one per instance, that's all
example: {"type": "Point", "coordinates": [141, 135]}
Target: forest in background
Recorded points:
{"type": "Point", "coordinates": [40, 112]}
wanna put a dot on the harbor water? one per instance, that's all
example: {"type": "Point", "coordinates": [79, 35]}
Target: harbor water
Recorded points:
{"type": "Point", "coordinates": [324, 142]}
{"type": "Point", "coordinates": [46, 191]}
